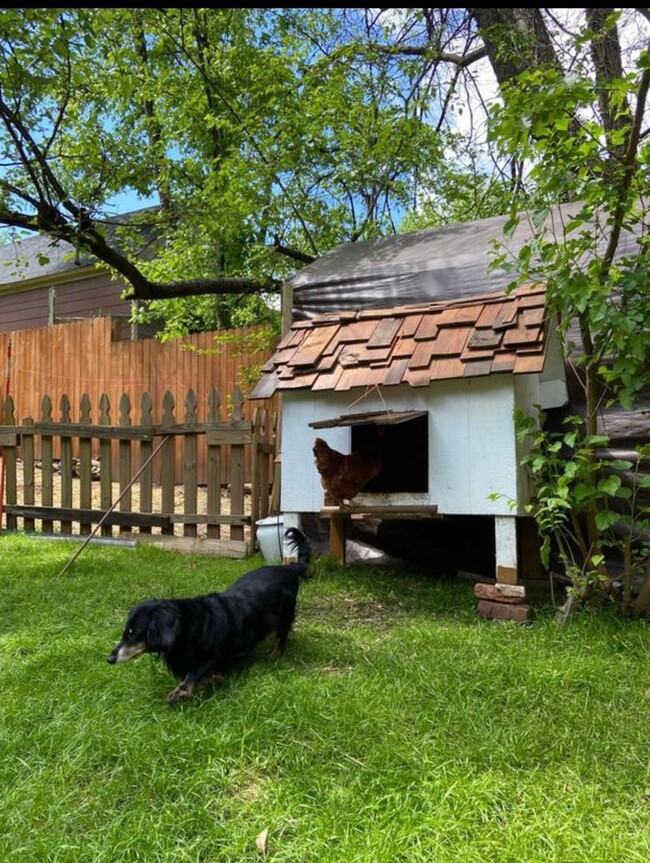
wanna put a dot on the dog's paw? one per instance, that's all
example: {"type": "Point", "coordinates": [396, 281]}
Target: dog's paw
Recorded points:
{"type": "Point", "coordinates": [177, 694]}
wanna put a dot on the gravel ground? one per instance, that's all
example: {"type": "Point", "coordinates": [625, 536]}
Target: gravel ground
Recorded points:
{"type": "Point", "coordinates": [179, 500]}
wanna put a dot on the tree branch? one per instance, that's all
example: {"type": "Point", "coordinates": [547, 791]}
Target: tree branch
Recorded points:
{"type": "Point", "coordinates": [629, 163]}
{"type": "Point", "coordinates": [50, 221]}
{"type": "Point", "coordinates": [294, 254]}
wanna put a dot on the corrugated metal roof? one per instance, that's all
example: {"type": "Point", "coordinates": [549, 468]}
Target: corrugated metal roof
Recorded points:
{"type": "Point", "coordinates": [450, 262]}
{"type": "Point", "coordinates": [417, 344]}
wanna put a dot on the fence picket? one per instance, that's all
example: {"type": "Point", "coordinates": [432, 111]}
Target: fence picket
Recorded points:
{"type": "Point", "coordinates": [215, 439]}
{"type": "Point", "coordinates": [213, 467]}
{"type": "Point", "coordinates": [10, 455]}
{"type": "Point", "coordinates": [47, 466]}
{"type": "Point", "coordinates": [85, 466]}
{"type": "Point", "coordinates": [237, 465]}
{"type": "Point", "coordinates": [105, 462]}
{"type": "Point", "coordinates": [146, 448]}
{"type": "Point", "coordinates": [190, 473]}
{"type": "Point", "coordinates": [125, 457]}
{"type": "Point", "coordinates": [167, 462]}
{"type": "Point", "coordinates": [66, 466]}
{"type": "Point", "coordinates": [28, 471]}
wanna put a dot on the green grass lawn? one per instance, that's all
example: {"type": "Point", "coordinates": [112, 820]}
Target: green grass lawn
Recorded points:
{"type": "Point", "coordinates": [398, 726]}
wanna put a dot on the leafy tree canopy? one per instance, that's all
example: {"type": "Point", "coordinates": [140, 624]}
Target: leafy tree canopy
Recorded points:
{"type": "Point", "coordinates": [266, 135]}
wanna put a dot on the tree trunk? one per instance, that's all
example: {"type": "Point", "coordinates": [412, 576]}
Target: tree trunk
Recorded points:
{"type": "Point", "coordinates": [528, 38]}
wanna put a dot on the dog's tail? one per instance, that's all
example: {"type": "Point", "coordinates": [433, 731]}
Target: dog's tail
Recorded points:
{"type": "Point", "coordinates": [298, 543]}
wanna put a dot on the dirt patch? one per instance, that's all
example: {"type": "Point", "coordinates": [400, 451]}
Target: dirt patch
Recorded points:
{"type": "Point", "coordinates": [131, 502]}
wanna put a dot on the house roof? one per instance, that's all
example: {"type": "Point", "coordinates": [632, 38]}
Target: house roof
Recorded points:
{"type": "Point", "coordinates": [39, 257]}
{"type": "Point", "coordinates": [415, 344]}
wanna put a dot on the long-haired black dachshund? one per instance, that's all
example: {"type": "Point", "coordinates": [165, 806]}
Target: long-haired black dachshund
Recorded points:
{"type": "Point", "coordinates": [202, 637]}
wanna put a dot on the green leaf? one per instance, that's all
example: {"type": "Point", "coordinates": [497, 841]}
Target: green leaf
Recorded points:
{"type": "Point", "coordinates": [583, 491]}
{"type": "Point", "coordinates": [620, 464]}
{"type": "Point", "coordinates": [605, 519]}
{"type": "Point", "coordinates": [597, 440]}
{"type": "Point", "coordinates": [609, 485]}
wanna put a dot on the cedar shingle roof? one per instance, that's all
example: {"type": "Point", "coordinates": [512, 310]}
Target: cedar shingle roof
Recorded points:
{"type": "Point", "coordinates": [415, 345]}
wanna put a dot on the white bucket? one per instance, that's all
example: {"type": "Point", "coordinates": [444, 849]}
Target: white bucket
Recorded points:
{"type": "Point", "coordinates": [270, 536]}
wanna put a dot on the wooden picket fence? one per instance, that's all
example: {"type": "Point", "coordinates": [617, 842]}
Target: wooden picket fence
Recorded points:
{"type": "Point", "coordinates": [76, 494]}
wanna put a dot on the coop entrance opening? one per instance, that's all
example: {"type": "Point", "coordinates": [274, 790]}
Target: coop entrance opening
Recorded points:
{"type": "Point", "coordinates": [403, 439]}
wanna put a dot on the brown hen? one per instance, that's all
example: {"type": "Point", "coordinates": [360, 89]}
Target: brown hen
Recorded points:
{"type": "Point", "coordinates": [343, 476]}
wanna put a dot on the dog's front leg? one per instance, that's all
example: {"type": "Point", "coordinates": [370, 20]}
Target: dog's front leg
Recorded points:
{"type": "Point", "coordinates": [183, 690]}
{"type": "Point", "coordinates": [186, 688]}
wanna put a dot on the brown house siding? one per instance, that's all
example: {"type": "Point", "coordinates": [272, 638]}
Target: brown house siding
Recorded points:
{"type": "Point", "coordinates": [21, 309]}
{"type": "Point", "coordinates": [96, 296]}
{"type": "Point", "coordinates": [90, 294]}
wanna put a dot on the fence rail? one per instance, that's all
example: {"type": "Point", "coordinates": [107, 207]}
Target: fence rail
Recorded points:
{"type": "Point", "coordinates": [76, 494]}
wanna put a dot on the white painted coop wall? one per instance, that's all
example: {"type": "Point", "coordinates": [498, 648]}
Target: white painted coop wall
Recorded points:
{"type": "Point", "coordinates": [472, 447]}
{"type": "Point", "coordinates": [473, 450]}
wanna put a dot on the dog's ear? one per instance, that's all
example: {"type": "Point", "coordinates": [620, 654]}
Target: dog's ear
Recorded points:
{"type": "Point", "coordinates": [163, 629]}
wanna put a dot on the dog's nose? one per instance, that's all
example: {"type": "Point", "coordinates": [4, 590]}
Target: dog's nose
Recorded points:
{"type": "Point", "coordinates": [111, 658]}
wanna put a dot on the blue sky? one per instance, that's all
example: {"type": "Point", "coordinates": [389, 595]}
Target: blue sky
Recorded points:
{"type": "Point", "coordinates": [126, 202]}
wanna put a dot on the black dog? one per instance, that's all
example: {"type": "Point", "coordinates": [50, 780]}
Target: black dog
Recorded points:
{"type": "Point", "coordinates": [202, 637]}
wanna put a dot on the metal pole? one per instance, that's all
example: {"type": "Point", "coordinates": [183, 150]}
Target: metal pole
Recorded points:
{"type": "Point", "coordinates": [109, 511]}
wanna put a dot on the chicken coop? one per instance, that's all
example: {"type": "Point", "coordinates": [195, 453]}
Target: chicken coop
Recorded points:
{"type": "Point", "coordinates": [431, 390]}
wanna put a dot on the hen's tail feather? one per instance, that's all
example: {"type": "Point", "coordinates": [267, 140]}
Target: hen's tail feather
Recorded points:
{"type": "Point", "coordinates": [299, 543]}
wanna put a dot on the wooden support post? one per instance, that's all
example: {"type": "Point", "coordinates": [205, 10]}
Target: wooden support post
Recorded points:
{"type": "Point", "coordinates": [505, 535]}
{"type": "Point", "coordinates": [337, 537]}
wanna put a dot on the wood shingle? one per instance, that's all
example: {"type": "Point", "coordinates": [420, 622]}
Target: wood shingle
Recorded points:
{"type": "Point", "coordinates": [490, 334]}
